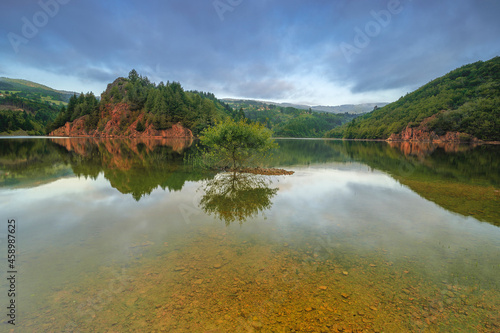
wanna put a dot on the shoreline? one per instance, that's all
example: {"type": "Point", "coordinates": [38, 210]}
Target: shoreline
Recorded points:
{"type": "Point", "coordinates": [389, 141]}
{"type": "Point", "coordinates": [276, 138]}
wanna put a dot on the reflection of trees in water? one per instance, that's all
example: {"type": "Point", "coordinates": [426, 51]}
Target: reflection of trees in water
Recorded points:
{"type": "Point", "coordinates": [30, 163]}
{"type": "Point", "coordinates": [135, 167]}
{"type": "Point", "coordinates": [237, 196]}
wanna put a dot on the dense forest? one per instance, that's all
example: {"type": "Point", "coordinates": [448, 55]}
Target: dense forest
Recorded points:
{"type": "Point", "coordinates": [466, 100]}
{"type": "Point", "coordinates": [161, 105]}
{"type": "Point", "coordinates": [85, 104]}
{"type": "Point", "coordinates": [289, 121]}
{"type": "Point", "coordinates": [25, 115]}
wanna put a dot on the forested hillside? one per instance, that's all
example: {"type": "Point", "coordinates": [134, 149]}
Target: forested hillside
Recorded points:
{"type": "Point", "coordinates": [34, 91]}
{"type": "Point", "coordinates": [289, 121]}
{"type": "Point", "coordinates": [465, 101]}
{"type": "Point", "coordinates": [26, 107]}
{"type": "Point", "coordinates": [133, 105]}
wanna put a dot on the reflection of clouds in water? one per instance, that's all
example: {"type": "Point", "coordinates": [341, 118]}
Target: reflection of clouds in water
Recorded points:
{"type": "Point", "coordinates": [75, 208]}
{"type": "Point", "coordinates": [84, 220]}
{"type": "Point", "coordinates": [336, 176]}
{"type": "Point", "coordinates": [357, 200]}
{"type": "Point", "coordinates": [327, 189]}
{"type": "Point", "coordinates": [63, 202]}
{"type": "Point", "coordinates": [368, 210]}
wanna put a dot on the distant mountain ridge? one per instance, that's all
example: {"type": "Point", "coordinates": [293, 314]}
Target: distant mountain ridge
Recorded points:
{"type": "Point", "coordinates": [345, 108]}
{"type": "Point", "coordinates": [350, 108]}
{"type": "Point", "coordinates": [461, 106]}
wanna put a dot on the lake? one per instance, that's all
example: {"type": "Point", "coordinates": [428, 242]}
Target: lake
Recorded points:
{"type": "Point", "coordinates": [124, 236]}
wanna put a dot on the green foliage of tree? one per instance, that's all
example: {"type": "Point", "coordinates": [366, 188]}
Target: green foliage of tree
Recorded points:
{"type": "Point", "coordinates": [236, 144]}
{"type": "Point", "coordinates": [465, 100]}
{"type": "Point", "coordinates": [115, 94]}
{"type": "Point", "coordinates": [479, 118]}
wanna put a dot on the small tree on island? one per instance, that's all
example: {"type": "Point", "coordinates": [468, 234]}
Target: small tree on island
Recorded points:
{"type": "Point", "coordinates": [235, 144]}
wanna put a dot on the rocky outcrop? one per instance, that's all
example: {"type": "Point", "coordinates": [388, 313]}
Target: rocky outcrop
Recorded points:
{"type": "Point", "coordinates": [422, 133]}
{"type": "Point", "coordinates": [112, 125]}
{"type": "Point", "coordinates": [75, 128]}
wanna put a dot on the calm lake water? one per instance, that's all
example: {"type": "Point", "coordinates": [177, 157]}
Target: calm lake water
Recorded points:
{"type": "Point", "coordinates": [122, 236]}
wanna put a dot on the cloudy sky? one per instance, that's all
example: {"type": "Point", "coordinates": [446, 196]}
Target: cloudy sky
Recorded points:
{"type": "Point", "coordinates": [312, 52]}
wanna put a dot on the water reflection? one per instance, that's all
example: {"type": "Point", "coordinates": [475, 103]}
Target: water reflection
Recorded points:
{"type": "Point", "coordinates": [135, 167]}
{"type": "Point", "coordinates": [460, 178]}
{"type": "Point", "coordinates": [29, 163]}
{"type": "Point", "coordinates": [424, 149]}
{"type": "Point", "coordinates": [137, 145]}
{"type": "Point", "coordinates": [237, 196]}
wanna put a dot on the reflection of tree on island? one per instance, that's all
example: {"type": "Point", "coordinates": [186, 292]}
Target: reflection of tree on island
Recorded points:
{"type": "Point", "coordinates": [237, 196]}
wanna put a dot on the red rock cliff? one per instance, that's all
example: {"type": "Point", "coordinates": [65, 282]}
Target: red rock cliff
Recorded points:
{"type": "Point", "coordinates": [422, 133]}
{"type": "Point", "coordinates": [111, 126]}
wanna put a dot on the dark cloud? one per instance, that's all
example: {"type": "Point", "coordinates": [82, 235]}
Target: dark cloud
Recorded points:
{"type": "Point", "coordinates": [424, 41]}
{"type": "Point", "coordinates": [260, 49]}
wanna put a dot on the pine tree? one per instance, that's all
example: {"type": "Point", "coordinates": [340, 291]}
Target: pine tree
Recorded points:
{"type": "Point", "coordinates": [133, 76]}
